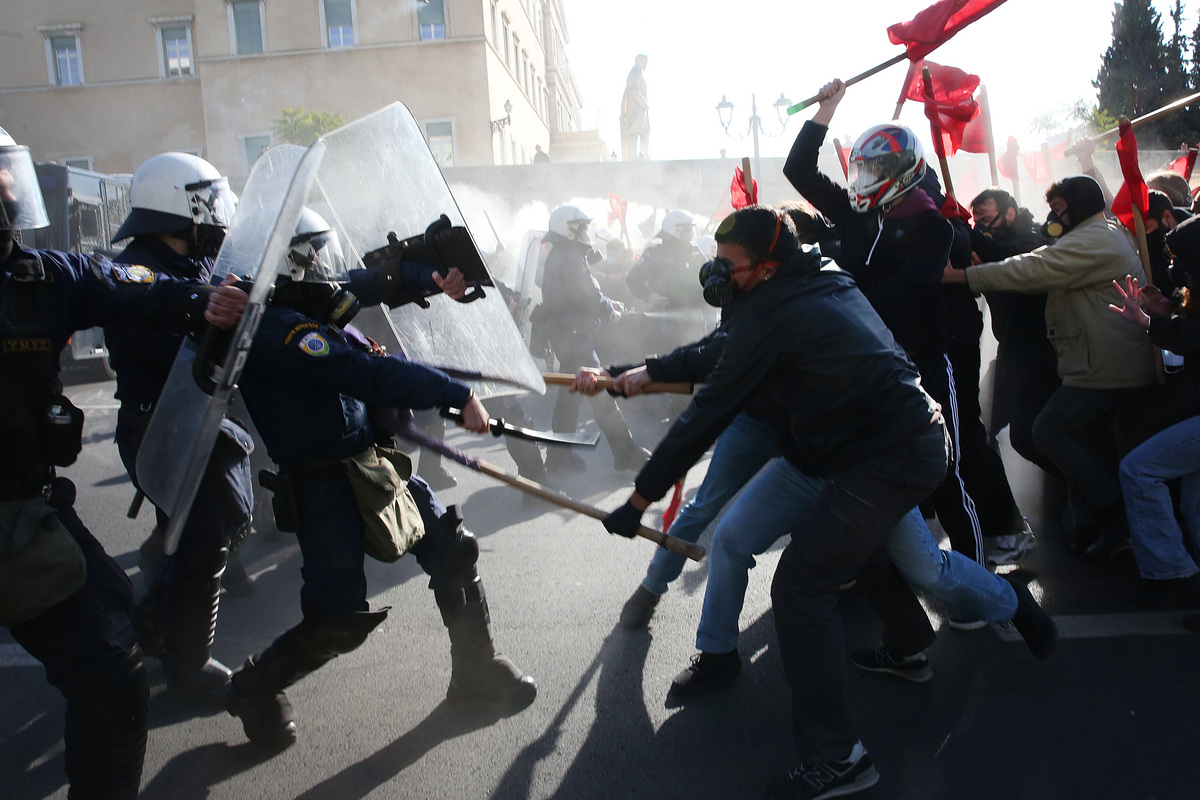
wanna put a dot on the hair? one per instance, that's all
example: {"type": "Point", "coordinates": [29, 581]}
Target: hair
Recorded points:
{"type": "Point", "coordinates": [805, 220]}
{"type": "Point", "coordinates": [754, 228]}
{"type": "Point", "coordinates": [1003, 200]}
{"type": "Point", "coordinates": [1159, 202]}
{"type": "Point", "coordinates": [1172, 185]}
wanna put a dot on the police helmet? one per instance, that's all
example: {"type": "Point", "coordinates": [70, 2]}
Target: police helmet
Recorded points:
{"type": "Point", "coordinates": [315, 252]}
{"type": "Point", "coordinates": [173, 191]}
{"type": "Point", "coordinates": [679, 225]}
{"type": "Point", "coordinates": [21, 205]}
{"type": "Point", "coordinates": [886, 162]}
{"type": "Point", "coordinates": [571, 224]}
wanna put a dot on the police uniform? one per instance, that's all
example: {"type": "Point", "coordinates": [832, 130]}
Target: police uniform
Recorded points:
{"type": "Point", "coordinates": [177, 619]}
{"type": "Point", "coordinates": [308, 390]}
{"type": "Point", "coordinates": [85, 642]}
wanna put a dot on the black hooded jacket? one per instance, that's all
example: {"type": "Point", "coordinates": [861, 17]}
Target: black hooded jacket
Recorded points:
{"type": "Point", "coordinates": [808, 341]}
{"type": "Point", "coordinates": [1018, 320]}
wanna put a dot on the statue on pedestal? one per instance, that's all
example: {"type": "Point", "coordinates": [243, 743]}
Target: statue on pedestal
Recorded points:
{"type": "Point", "coordinates": [635, 114]}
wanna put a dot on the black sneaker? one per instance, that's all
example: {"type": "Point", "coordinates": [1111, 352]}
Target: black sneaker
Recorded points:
{"type": "Point", "coordinates": [708, 671]}
{"type": "Point", "coordinates": [1035, 625]}
{"type": "Point", "coordinates": [268, 719]}
{"type": "Point", "coordinates": [911, 668]}
{"type": "Point", "coordinates": [830, 779]}
{"type": "Point", "coordinates": [639, 608]}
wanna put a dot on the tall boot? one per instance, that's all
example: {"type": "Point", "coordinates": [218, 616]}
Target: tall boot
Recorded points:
{"type": "Point", "coordinates": [190, 614]}
{"type": "Point", "coordinates": [478, 672]}
{"type": "Point", "coordinates": [105, 736]}
{"type": "Point", "coordinates": [255, 692]}
{"type": "Point", "coordinates": [626, 454]}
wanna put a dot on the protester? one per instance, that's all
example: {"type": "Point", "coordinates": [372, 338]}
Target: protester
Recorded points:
{"type": "Point", "coordinates": [1026, 370]}
{"type": "Point", "coordinates": [65, 600]}
{"type": "Point", "coordinates": [1102, 360]}
{"type": "Point", "coordinates": [308, 383]}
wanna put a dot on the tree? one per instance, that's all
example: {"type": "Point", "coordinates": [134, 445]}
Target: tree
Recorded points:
{"type": "Point", "coordinates": [297, 126]}
{"type": "Point", "coordinates": [1133, 72]}
{"type": "Point", "coordinates": [1181, 125]}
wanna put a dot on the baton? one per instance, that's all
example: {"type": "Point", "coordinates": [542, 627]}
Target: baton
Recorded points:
{"type": "Point", "coordinates": [566, 379]}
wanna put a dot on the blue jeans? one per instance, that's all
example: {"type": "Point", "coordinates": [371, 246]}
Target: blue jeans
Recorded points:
{"type": "Point", "coordinates": [767, 511]}
{"type": "Point", "coordinates": [1153, 531]}
{"type": "Point", "coordinates": [742, 450]}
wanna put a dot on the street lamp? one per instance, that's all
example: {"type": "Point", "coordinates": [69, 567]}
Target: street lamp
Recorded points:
{"type": "Point", "coordinates": [725, 115]}
{"type": "Point", "coordinates": [498, 124]}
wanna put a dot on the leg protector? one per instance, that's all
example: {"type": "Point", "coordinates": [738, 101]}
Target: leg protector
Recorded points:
{"type": "Point", "coordinates": [478, 673]}
{"type": "Point", "coordinates": [105, 734]}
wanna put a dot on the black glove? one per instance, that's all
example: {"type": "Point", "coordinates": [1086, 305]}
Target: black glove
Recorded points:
{"type": "Point", "coordinates": [625, 521]}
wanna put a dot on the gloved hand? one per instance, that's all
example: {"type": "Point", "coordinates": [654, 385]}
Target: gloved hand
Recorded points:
{"type": "Point", "coordinates": [624, 521]}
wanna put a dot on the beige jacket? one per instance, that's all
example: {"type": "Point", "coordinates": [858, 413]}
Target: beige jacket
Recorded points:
{"type": "Point", "coordinates": [1096, 348]}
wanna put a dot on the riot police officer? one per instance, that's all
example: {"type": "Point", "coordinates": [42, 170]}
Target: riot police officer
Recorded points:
{"type": "Point", "coordinates": [74, 620]}
{"type": "Point", "coordinates": [181, 208]}
{"type": "Point", "coordinates": [308, 384]}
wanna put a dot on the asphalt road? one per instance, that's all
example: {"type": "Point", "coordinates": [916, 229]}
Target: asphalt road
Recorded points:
{"type": "Point", "coordinates": [1115, 714]}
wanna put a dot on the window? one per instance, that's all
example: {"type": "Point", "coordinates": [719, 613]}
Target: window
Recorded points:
{"type": "Point", "coordinates": [174, 46]}
{"type": "Point", "coordinates": [246, 27]}
{"type": "Point", "coordinates": [63, 60]}
{"type": "Point", "coordinates": [495, 27]}
{"type": "Point", "coordinates": [254, 146]}
{"type": "Point", "coordinates": [507, 50]}
{"type": "Point", "coordinates": [431, 18]}
{"type": "Point", "coordinates": [338, 22]}
{"type": "Point", "coordinates": [441, 142]}
{"type": "Point", "coordinates": [78, 162]}
{"type": "Point", "coordinates": [515, 66]}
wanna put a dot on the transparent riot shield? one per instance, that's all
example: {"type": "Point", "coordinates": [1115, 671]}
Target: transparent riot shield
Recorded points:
{"type": "Point", "coordinates": [187, 418]}
{"type": "Point", "coordinates": [379, 176]}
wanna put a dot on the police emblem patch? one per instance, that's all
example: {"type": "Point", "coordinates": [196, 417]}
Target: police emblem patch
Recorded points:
{"type": "Point", "coordinates": [133, 273]}
{"type": "Point", "coordinates": [314, 344]}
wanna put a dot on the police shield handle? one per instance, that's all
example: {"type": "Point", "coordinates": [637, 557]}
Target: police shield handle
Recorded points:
{"type": "Point", "coordinates": [693, 551]}
{"type": "Point", "coordinates": [566, 379]}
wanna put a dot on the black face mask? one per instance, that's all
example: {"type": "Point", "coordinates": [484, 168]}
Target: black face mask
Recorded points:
{"type": "Point", "coordinates": [1183, 277]}
{"type": "Point", "coordinates": [10, 209]}
{"type": "Point", "coordinates": [204, 241]}
{"type": "Point", "coordinates": [716, 277]}
{"type": "Point", "coordinates": [324, 302]}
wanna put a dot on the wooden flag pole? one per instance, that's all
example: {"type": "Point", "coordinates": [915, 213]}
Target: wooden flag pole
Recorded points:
{"type": "Point", "coordinates": [941, 151]}
{"type": "Point", "coordinates": [803, 104]}
{"type": "Point", "coordinates": [985, 109]}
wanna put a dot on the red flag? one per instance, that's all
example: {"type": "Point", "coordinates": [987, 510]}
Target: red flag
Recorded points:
{"type": "Point", "coordinates": [737, 190]}
{"type": "Point", "coordinates": [1007, 163]}
{"type": "Point", "coordinates": [1134, 192]}
{"type": "Point", "coordinates": [617, 206]}
{"type": "Point", "coordinates": [672, 509]}
{"type": "Point", "coordinates": [1039, 169]}
{"type": "Point", "coordinates": [977, 132]}
{"type": "Point", "coordinates": [843, 154]}
{"type": "Point", "coordinates": [949, 107]}
{"type": "Point", "coordinates": [952, 209]}
{"type": "Point", "coordinates": [1179, 165]}
{"type": "Point", "coordinates": [936, 24]}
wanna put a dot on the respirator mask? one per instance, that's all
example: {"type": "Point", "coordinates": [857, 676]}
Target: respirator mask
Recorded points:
{"type": "Point", "coordinates": [716, 277]}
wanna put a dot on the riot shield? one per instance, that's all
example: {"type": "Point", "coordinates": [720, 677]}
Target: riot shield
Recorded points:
{"type": "Point", "coordinates": [378, 176]}
{"type": "Point", "coordinates": [187, 419]}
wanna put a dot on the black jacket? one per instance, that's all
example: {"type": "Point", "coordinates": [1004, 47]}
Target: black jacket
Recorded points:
{"type": "Point", "coordinates": [807, 340]}
{"type": "Point", "coordinates": [897, 260]}
{"type": "Point", "coordinates": [1018, 320]}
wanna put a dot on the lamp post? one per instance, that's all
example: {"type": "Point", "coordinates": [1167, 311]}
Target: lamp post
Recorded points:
{"type": "Point", "coordinates": [725, 115]}
{"type": "Point", "coordinates": [498, 124]}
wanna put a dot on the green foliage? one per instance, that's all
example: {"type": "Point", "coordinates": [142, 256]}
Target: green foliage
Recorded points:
{"type": "Point", "coordinates": [297, 126]}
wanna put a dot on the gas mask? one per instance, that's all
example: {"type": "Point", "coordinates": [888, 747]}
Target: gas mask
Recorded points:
{"type": "Point", "coordinates": [324, 302]}
{"type": "Point", "coordinates": [1053, 226]}
{"type": "Point", "coordinates": [593, 256]}
{"type": "Point", "coordinates": [716, 277]}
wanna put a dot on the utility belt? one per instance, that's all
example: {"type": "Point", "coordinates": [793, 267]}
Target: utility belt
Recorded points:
{"type": "Point", "coordinates": [378, 477]}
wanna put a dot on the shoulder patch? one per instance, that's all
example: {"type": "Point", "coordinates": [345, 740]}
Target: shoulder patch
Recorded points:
{"type": "Point", "coordinates": [301, 328]}
{"type": "Point", "coordinates": [132, 273]}
{"type": "Point", "coordinates": [314, 344]}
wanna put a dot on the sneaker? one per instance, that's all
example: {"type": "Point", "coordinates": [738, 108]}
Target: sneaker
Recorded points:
{"type": "Point", "coordinates": [1012, 548]}
{"type": "Point", "coordinates": [1033, 623]}
{"type": "Point", "coordinates": [912, 668]}
{"type": "Point", "coordinates": [639, 608]}
{"type": "Point", "coordinates": [830, 779]}
{"type": "Point", "coordinates": [965, 623]}
{"type": "Point", "coordinates": [708, 671]}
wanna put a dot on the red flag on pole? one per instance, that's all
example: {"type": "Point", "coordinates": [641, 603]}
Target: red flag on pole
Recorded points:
{"type": "Point", "coordinates": [738, 197]}
{"type": "Point", "coordinates": [936, 24]}
{"type": "Point", "coordinates": [617, 207]}
{"type": "Point", "coordinates": [1134, 192]}
{"type": "Point", "coordinates": [978, 132]}
{"type": "Point", "coordinates": [950, 106]}
{"type": "Point", "coordinates": [1007, 163]}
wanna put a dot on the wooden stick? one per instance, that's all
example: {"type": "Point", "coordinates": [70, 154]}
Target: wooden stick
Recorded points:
{"type": "Point", "coordinates": [984, 108]}
{"type": "Point", "coordinates": [837, 148]}
{"type": "Point", "coordinates": [748, 180]}
{"type": "Point", "coordinates": [927, 77]}
{"type": "Point", "coordinates": [675, 545]}
{"type": "Point", "coordinates": [803, 104]}
{"type": "Point", "coordinates": [566, 379]}
{"type": "Point", "coordinates": [1144, 118]}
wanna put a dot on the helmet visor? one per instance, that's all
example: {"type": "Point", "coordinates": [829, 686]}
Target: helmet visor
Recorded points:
{"type": "Point", "coordinates": [21, 205]}
{"type": "Point", "coordinates": [321, 257]}
{"type": "Point", "coordinates": [212, 202]}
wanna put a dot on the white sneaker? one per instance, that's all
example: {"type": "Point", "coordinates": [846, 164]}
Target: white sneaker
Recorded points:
{"type": "Point", "coordinates": [1012, 548]}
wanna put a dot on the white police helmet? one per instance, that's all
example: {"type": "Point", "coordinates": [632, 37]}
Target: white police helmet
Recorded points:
{"type": "Point", "coordinates": [21, 204]}
{"type": "Point", "coordinates": [173, 191]}
{"type": "Point", "coordinates": [315, 253]}
{"type": "Point", "coordinates": [679, 225]}
{"type": "Point", "coordinates": [572, 224]}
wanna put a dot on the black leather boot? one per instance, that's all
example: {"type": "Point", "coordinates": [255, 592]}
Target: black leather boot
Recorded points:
{"type": "Point", "coordinates": [479, 674]}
